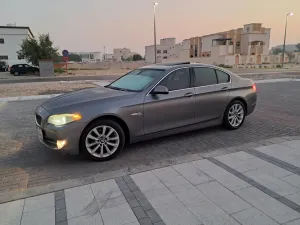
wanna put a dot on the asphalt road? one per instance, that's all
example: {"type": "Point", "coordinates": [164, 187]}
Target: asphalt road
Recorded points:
{"type": "Point", "coordinates": [24, 162]}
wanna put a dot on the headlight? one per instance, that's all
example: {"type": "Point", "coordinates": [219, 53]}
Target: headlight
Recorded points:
{"type": "Point", "coordinates": [62, 119]}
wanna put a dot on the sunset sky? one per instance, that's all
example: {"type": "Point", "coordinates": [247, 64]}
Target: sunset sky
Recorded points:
{"type": "Point", "coordinates": [90, 25]}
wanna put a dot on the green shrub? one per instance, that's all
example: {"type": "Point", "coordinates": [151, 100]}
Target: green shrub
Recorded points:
{"type": "Point", "coordinates": [278, 66]}
{"type": "Point", "coordinates": [59, 70]}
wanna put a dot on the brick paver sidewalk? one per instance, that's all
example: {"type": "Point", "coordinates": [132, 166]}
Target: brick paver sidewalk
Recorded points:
{"type": "Point", "coordinates": [252, 187]}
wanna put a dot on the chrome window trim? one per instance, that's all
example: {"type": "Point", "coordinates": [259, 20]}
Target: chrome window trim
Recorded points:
{"type": "Point", "coordinates": [186, 67]}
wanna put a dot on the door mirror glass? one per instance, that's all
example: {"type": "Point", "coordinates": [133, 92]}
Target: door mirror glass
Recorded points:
{"type": "Point", "coordinates": [162, 90]}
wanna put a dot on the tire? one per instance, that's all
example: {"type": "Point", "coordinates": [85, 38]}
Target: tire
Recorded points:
{"type": "Point", "coordinates": [16, 73]}
{"type": "Point", "coordinates": [234, 115]}
{"type": "Point", "coordinates": [115, 142]}
{"type": "Point", "coordinates": [36, 73]}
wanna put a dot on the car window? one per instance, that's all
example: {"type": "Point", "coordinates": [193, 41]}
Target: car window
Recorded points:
{"type": "Point", "coordinates": [179, 79]}
{"type": "Point", "coordinates": [136, 80]}
{"type": "Point", "coordinates": [27, 66]}
{"type": "Point", "coordinates": [222, 77]}
{"type": "Point", "coordinates": [20, 66]}
{"type": "Point", "coordinates": [204, 76]}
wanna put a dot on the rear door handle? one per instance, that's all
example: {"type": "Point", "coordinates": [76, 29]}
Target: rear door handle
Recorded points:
{"type": "Point", "coordinates": [224, 89]}
{"type": "Point", "coordinates": [188, 94]}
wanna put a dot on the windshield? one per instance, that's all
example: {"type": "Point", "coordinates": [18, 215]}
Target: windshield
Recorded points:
{"type": "Point", "coordinates": [136, 80]}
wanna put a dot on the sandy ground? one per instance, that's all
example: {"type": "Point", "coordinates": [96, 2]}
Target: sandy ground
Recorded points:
{"type": "Point", "coordinates": [45, 88]}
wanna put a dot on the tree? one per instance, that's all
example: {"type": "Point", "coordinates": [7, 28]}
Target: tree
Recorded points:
{"type": "Point", "coordinates": [298, 50]}
{"type": "Point", "coordinates": [276, 51]}
{"type": "Point", "coordinates": [35, 49]}
{"type": "Point", "coordinates": [137, 57]}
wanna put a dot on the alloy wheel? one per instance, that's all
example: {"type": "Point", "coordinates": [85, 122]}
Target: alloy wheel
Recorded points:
{"type": "Point", "coordinates": [236, 115]}
{"type": "Point", "coordinates": [102, 141]}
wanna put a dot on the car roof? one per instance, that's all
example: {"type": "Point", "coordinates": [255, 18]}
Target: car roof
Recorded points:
{"type": "Point", "coordinates": [167, 66]}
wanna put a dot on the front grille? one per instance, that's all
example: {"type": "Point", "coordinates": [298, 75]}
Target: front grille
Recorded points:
{"type": "Point", "coordinates": [38, 119]}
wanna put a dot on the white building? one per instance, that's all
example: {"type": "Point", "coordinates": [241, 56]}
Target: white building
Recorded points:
{"type": "Point", "coordinates": [167, 49]}
{"type": "Point", "coordinates": [108, 57]}
{"type": "Point", "coordinates": [122, 53]}
{"type": "Point", "coordinates": [89, 57]}
{"type": "Point", "coordinates": [11, 38]}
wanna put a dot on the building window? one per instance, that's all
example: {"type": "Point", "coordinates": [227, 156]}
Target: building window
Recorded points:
{"type": "Point", "coordinates": [191, 46]}
{"type": "Point", "coordinates": [165, 57]}
{"type": "Point", "coordinates": [238, 44]}
{"type": "Point", "coordinates": [165, 51]}
{"type": "Point", "coordinates": [1, 40]}
{"type": "Point", "coordinates": [231, 43]}
{"type": "Point", "coordinates": [3, 57]}
{"type": "Point", "coordinates": [158, 51]}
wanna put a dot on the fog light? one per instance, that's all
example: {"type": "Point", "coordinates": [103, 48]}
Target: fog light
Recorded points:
{"type": "Point", "coordinates": [60, 144]}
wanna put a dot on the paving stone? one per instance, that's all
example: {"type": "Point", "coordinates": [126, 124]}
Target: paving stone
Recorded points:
{"type": "Point", "coordinates": [60, 204]}
{"type": "Point", "coordinates": [46, 216]}
{"type": "Point", "coordinates": [94, 219]}
{"type": "Point", "coordinates": [294, 198]}
{"type": "Point", "coordinates": [170, 177]}
{"type": "Point", "coordinates": [39, 202]}
{"type": "Point", "coordinates": [139, 212]}
{"type": "Point", "coordinates": [252, 216]}
{"type": "Point", "coordinates": [192, 174]}
{"type": "Point", "coordinates": [11, 212]}
{"type": "Point", "coordinates": [278, 211]}
{"type": "Point", "coordinates": [145, 221]}
{"type": "Point", "coordinates": [147, 181]}
{"type": "Point", "coordinates": [119, 215]}
{"type": "Point", "coordinates": [295, 222]}
{"type": "Point", "coordinates": [132, 186]}
{"type": "Point", "coordinates": [145, 204]}
{"type": "Point", "coordinates": [222, 176]}
{"type": "Point", "coordinates": [224, 198]}
{"type": "Point", "coordinates": [62, 223]}
{"type": "Point", "coordinates": [293, 180]}
{"type": "Point", "coordinates": [278, 186]}
{"type": "Point", "coordinates": [80, 201]}
{"type": "Point", "coordinates": [59, 195]}
{"type": "Point", "coordinates": [153, 216]}
{"type": "Point", "coordinates": [61, 215]}
{"type": "Point", "coordinates": [133, 202]}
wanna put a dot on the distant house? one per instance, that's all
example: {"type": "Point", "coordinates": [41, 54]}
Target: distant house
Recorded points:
{"type": "Point", "coordinates": [288, 48]}
{"type": "Point", "coordinates": [11, 38]}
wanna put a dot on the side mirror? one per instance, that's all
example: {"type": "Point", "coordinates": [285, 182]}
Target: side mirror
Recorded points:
{"type": "Point", "coordinates": [162, 90]}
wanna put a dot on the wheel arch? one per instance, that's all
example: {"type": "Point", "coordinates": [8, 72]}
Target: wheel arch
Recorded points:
{"type": "Point", "coordinates": [115, 118]}
{"type": "Point", "coordinates": [241, 99]}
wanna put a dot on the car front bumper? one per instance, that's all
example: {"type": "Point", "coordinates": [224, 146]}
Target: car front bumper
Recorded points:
{"type": "Point", "coordinates": [49, 134]}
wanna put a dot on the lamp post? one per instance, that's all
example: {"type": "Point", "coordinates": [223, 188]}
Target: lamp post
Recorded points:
{"type": "Point", "coordinates": [283, 50]}
{"type": "Point", "coordinates": [154, 7]}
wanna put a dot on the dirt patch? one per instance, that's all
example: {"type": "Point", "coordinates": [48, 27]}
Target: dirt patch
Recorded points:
{"type": "Point", "coordinates": [27, 89]}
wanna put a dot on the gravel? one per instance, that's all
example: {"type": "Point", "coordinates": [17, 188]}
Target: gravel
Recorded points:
{"type": "Point", "coordinates": [43, 88]}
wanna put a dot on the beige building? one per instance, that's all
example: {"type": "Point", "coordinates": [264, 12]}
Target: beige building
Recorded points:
{"type": "Point", "coordinates": [122, 53]}
{"type": "Point", "coordinates": [167, 50]}
{"type": "Point", "coordinates": [247, 45]}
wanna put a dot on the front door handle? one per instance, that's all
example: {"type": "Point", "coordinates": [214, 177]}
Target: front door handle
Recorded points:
{"type": "Point", "coordinates": [224, 89]}
{"type": "Point", "coordinates": [188, 94]}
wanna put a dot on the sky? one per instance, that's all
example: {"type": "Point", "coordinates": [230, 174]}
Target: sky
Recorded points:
{"type": "Point", "coordinates": [89, 25]}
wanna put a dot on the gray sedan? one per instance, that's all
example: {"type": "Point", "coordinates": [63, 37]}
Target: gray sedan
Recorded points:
{"type": "Point", "coordinates": [146, 103]}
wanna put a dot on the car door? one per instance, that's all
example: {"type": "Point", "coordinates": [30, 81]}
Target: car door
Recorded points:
{"type": "Point", "coordinates": [20, 68]}
{"type": "Point", "coordinates": [172, 110]}
{"type": "Point", "coordinates": [28, 69]}
{"type": "Point", "coordinates": [211, 93]}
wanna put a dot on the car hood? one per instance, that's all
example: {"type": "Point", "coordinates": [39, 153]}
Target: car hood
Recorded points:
{"type": "Point", "coordinates": [85, 96]}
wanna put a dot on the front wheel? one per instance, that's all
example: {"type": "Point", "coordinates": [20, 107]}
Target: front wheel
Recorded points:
{"type": "Point", "coordinates": [16, 73]}
{"type": "Point", "coordinates": [234, 115]}
{"type": "Point", "coordinates": [102, 140]}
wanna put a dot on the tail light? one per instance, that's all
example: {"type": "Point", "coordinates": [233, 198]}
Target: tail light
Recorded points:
{"type": "Point", "coordinates": [254, 87]}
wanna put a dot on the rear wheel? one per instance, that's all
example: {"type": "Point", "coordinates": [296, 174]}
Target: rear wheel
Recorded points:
{"type": "Point", "coordinates": [234, 115]}
{"type": "Point", "coordinates": [36, 73]}
{"type": "Point", "coordinates": [16, 73]}
{"type": "Point", "coordinates": [102, 140]}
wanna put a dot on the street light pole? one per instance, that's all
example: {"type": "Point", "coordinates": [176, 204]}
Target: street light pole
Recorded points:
{"type": "Point", "coordinates": [283, 49]}
{"type": "Point", "coordinates": [154, 12]}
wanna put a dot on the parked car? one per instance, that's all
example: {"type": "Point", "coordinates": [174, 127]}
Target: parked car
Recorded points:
{"type": "Point", "coordinates": [148, 102]}
{"type": "Point", "coordinates": [18, 69]}
{"type": "Point", "coordinates": [3, 66]}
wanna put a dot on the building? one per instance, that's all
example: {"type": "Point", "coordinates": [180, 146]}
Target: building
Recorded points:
{"type": "Point", "coordinates": [89, 57]}
{"type": "Point", "coordinates": [247, 45]}
{"type": "Point", "coordinates": [11, 38]}
{"type": "Point", "coordinates": [288, 48]}
{"type": "Point", "coordinates": [108, 57]}
{"type": "Point", "coordinates": [167, 49]}
{"type": "Point", "coordinates": [122, 53]}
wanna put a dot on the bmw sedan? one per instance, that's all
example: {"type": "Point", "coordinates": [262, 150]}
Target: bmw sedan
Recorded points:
{"type": "Point", "coordinates": [146, 103]}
